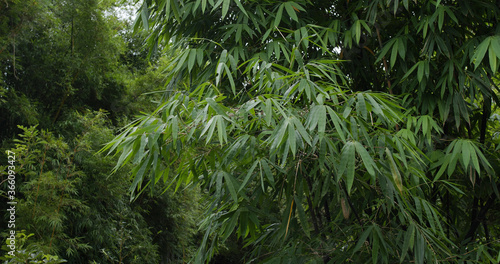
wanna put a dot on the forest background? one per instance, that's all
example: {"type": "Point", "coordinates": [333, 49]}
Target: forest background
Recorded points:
{"type": "Point", "coordinates": [252, 131]}
{"type": "Point", "coordinates": [73, 73]}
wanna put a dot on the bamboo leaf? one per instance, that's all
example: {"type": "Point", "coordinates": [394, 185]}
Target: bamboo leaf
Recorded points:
{"type": "Point", "coordinates": [366, 158]}
{"type": "Point", "coordinates": [231, 185]}
{"type": "Point", "coordinates": [409, 235]}
{"type": "Point", "coordinates": [267, 171]}
{"type": "Point", "coordinates": [216, 107]}
{"type": "Point", "coordinates": [394, 170]}
{"type": "Point", "coordinates": [221, 128]}
{"type": "Point", "coordinates": [357, 30]}
{"type": "Point", "coordinates": [279, 14]}
{"type": "Point", "coordinates": [418, 208]}
{"type": "Point", "coordinates": [321, 115]}
{"type": "Point", "coordinates": [362, 239]}
{"type": "Point", "coordinates": [337, 123]}
{"type": "Point", "coordinates": [210, 126]}
{"type": "Point", "coordinates": [430, 216]}
{"type": "Point", "coordinates": [495, 46]}
{"type": "Point", "coordinates": [240, 6]}
{"type": "Point", "coordinates": [249, 175]}
{"type": "Point", "coordinates": [175, 129]}
{"type": "Point", "coordinates": [348, 157]}
{"type": "Point", "coordinates": [302, 217]}
{"type": "Point", "coordinates": [361, 105]}
{"type": "Point", "coordinates": [280, 135]}
{"type": "Point", "coordinates": [229, 228]}
{"type": "Point", "coordinates": [394, 53]}
{"type": "Point", "coordinates": [466, 154]}
{"type": "Point", "coordinates": [475, 162]}
{"type": "Point", "coordinates": [493, 58]}
{"type": "Point", "coordinates": [225, 7]}
{"type": "Point", "coordinates": [419, 249]}
{"type": "Point", "coordinates": [145, 16]}
{"type": "Point", "coordinates": [479, 53]}
{"type": "Point", "coordinates": [203, 5]}
{"type": "Point", "coordinates": [192, 59]}
{"type": "Point", "coordinates": [302, 131]}
{"type": "Point", "coordinates": [292, 142]}
{"type": "Point", "coordinates": [268, 112]}
{"type": "Point", "coordinates": [291, 11]}
{"type": "Point", "coordinates": [375, 244]}
{"type": "Point", "coordinates": [420, 72]}
{"type": "Point", "coordinates": [386, 49]}
{"type": "Point", "coordinates": [231, 80]}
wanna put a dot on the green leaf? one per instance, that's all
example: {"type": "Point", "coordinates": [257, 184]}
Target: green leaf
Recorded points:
{"type": "Point", "coordinates": [302, 131]}
{"type": "Point", "coordinates": [386, 49]}
{"type": "Point", "coordinates": [291, 138]}
{"type": "Point", "coordinates": [420, 72]}
{"type": "Point", "coordinates": [348, 159]}
{"type": "Point", "coordinates": [440, 17]}
{"type": "Point", "coordinates": [216, 107]}
{"type": "Point", "coordinates": [408, 73]}
{"type": "Point", "coordinates": [268, 112]}
{"type": "Point", "coordinates": [366, 158]}
{"type": "Point", "coordinates": [249, 175]}
{"type": "Point", "coordinates": [493, 58]}
{"type": "Point", "coordinates": [279, 136]}
{"type": "Point", "coordinates": [479, 53]}
{"type": "Point", "coordinates": [402, 48]}
{"type": "Point", "coordinates": [321, 115]}
{"type": "Point", "coordinates": [231, 185]}
{"type": "Point", "coordinates": [138, 174]}
{"type": "Point", "coordinates": [362, 238]}
{"type": "Point", "coordinates": [240, 6]}
{"type": "Point", "coordinates": [495, 46]}
{"type": "Point", "coordinates": [145, 16]}
{"type": "Point", "coordinates": [376, 106]}
{"type": "Point", "coordinates": [267, 172]}
{"type": "Point", "coordinates": [182, 60]}
{"type": "Point", "coordinates": [231, 224]}
{"type": "Point", "coordinates": [357, 30]}
{"type": "Point", "coordinates": [302, 217]}
{"type": "Point", "coordinates": [375, 245]}
{"type": "Point", "coordinates": [192, 59]}
{"type": "Point", "coordinates": [199, 56]}
{"type": "Point", "coordinates": [361, 105]}
{"type": "Point", "coordinates": [231, 80]}
{"type": "Point", "coordinates": [175, 129]}
{"type": "Point", "coordinates": [341, 130]}
{"type": "Point", "coordinates": [394, 170]}
{"type": "Point", "coordinates": [475, 162]}
{"type": "Point", "coordinates": [225, 7]}
{"type": "Point", "coordinates": [203, 5]}
{"type": "Point", "coordinates": [419, 249]}
{"type": "Point", "coordinates": [277, 20]}
{"type": "Point", "coordinates": [221, 127]}
{"type": "Point", "coordinates": [409, 235]}
{"type": "Point", "coordinates": [291, 11]}
{"type": "Point", "coordinates": [394, 54]}
{"type": "Point", "coordinates": [430, 216]}
{"type": "Point", "coordinates": [210, 127]}
{"type": "Point", "coordinates": [466, 154]}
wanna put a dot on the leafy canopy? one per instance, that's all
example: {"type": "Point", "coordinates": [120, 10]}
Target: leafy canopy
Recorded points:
{"type": "Point", "coordinates": [328, 131]}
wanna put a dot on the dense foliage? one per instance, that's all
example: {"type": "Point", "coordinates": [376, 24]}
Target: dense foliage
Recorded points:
{"type": "Point", "coordinates": [70, 72]}
{"type": "Point", "coordinates": [329, 131]}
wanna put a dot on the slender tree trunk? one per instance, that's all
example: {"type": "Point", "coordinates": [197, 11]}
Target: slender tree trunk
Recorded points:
{"type": "Point", "coordinates": [478, 216]}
